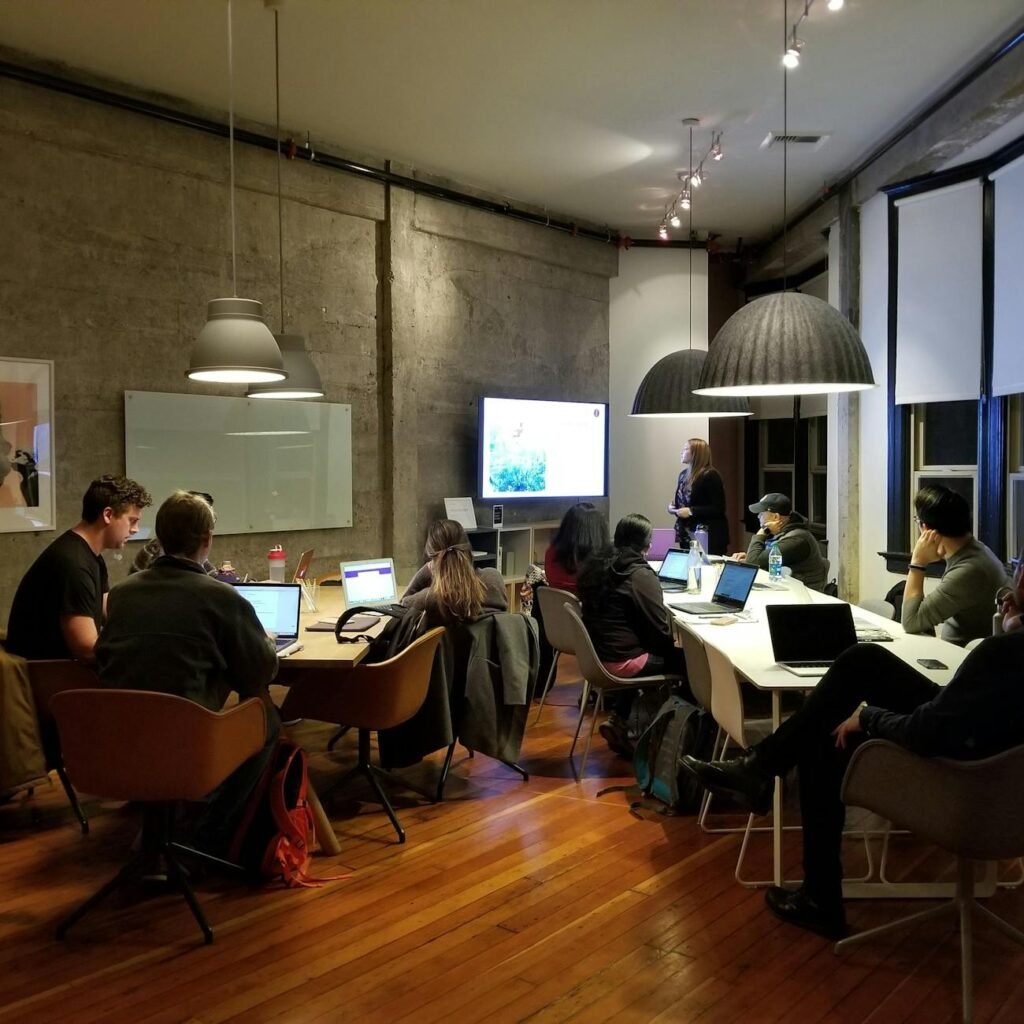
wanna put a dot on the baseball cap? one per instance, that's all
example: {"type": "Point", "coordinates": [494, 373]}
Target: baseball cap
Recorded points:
{"type": "Point", "coordinates": [773, 502]}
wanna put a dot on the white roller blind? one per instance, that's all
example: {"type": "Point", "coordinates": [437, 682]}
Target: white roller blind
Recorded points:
{"type": "Point", "coordinates": [939, 301]}
{"type": "Point", "coordinates": [1008, 324]}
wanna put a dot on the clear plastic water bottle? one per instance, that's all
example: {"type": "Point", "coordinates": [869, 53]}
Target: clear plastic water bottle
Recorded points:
{"type": "Point", "coordinates": [774, 561]}
{"type": "Point", "coordinates": [693, 568]}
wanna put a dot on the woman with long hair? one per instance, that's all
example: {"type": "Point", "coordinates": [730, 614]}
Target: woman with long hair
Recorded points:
{"type": "Point", "coordinates": [700, 498]}
{"type": "Point", "coordinates": [583, 530]}
{"type": "Point", "coordinates": [449, 587]}
{"type": "Point", "coordinates": [625, 614]}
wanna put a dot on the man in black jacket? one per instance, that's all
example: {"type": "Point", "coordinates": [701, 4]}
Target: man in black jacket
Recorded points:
{"type": "Point", "coordinates": [869, 692]}
{"type": "Point", "coordinates": [781, 526]}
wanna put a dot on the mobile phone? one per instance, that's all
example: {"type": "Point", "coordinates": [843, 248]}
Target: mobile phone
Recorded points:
{"type": "Point", "coordinates": [931, 663]}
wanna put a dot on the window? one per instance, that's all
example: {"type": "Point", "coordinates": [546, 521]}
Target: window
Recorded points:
{"type": "Point", "coordinates": [776, 463]}
{"type": "Point", "coordinates": [817, 468]}
{"type": "Point", "coordinates": [945, 452]}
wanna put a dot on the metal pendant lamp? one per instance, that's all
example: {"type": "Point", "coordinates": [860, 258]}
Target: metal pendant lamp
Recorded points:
{"type": "Point", "coordinates": [786, 343]}
{"type": "Point", "coordinates": [303, 378]}
{"type": "Point", "coordinates": [668, 386]}
{"type": "Point", "coordinates": [235, 346]}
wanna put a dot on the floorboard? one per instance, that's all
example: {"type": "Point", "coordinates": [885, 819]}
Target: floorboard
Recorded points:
{"type": "Point", "coordinates": [511, 901]}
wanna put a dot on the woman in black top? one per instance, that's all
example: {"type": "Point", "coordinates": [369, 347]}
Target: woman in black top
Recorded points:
{"type": "Point", "coordinates": [700, 498]}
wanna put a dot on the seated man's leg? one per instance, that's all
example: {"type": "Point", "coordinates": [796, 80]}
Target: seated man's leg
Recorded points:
{"type": "Point", "coordinates": [219, 821]}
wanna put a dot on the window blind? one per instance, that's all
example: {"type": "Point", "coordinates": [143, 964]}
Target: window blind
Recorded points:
{"type": "Point", "coordinates": [1008, 303]}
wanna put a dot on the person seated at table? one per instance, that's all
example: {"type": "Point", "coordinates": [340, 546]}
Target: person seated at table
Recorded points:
{"type": "Point", "coordinates": [59, 606]}
{"type": "Point", "coordinates": [781, 526]}
{"type": "Point", "coordinates": [583, 530]}
{"type": "Point", "coordinates": [962, 600]}
{"type": "Point", "coordinates": [871, 693]}
{"type": "Point", "coordinates": [173, 629]}
{"type": "Point", "coordinates": [624, 612]}
{"type": "Point", "coordinates": [152, 549]}
{"type": "Point", "coordinates": [450, 588]}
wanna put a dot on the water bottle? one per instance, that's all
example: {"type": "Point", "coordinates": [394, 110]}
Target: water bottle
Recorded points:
{"type": "Point", "coordinates": [275, 563]}
{"type": "Point", "coordinates": [693, 568]}
{"type": "Point", "coordinates": [774, 561]}
{"type": "Point", "coordinates": [700, 534]}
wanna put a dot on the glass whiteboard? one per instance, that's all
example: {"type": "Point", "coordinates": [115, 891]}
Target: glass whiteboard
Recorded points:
{"type": "Point", "coordinates": [271, 465]}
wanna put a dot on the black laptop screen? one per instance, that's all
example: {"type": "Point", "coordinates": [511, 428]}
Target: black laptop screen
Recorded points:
{"type": "Point", "coordinates": [810, 632]}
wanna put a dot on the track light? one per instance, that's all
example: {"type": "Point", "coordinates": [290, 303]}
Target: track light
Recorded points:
{"type": "Point", "coordinates": [675, 220]}
{"type": "Point", "coordinates": [716, 149]}
{"type": "Point", "coordinates": [696, 179]}
{"type": "Point", "coordinates": [663, 232]}
{"type": "Point", "coordinates": [835, 5]}
{"type": "Point", "coordinates": [684, 200]}
{"type": "Point", "coordinates": [791, 58]}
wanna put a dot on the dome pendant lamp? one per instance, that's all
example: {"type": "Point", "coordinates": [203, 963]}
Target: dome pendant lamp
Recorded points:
{"type": "Point", "coordinates": [235, 346]}
{"type": "Point", "coordinates": [785, 343]}
{"type": "Point", "coordinates": [667, 388]}
{"type": "Point", "coordinates": [303, 379]}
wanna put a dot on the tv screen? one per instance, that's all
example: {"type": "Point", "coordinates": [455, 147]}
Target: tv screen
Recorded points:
{"type": "Point", "coordinates": [535, 449]}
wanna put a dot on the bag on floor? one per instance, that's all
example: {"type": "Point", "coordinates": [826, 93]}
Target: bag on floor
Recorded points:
{"type": "Point", "coordinates": [403, 625]}
{"type": "Point", "coordinates": [275, 835]}
{"type": "Point", "coordinates": [678, 728]}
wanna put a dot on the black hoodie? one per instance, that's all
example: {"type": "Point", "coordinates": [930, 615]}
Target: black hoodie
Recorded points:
{"type": "Point", "coordinates": [624, 609]}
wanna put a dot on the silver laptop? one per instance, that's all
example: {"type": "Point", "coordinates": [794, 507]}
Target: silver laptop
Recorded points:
{"type": "Point", "coordinates": [672, 574]}
{"type": "Point", "coordinates": [807, 638]}
{"type": "Point", "coordinates": [277, 608]}
{"type": "Point", "coordinates": [371, 582]}
{"type": "Point", "coordinates": [730, 594]}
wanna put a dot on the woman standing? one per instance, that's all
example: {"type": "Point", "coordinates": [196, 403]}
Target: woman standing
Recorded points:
{"type": "Point", "coordinates": [700, 498]}
{"type": "Point", "coordinates": [449, 587]}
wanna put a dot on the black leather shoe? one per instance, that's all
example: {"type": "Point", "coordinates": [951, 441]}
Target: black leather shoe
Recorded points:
{"type": "Point", "coordinates": [798, 908]}
{"type": "Point", "coordinates": [739, 779]}
{"type": "Point", "coordinates": [616, 736]}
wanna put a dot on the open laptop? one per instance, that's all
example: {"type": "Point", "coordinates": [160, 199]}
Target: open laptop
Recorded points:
{"type": "Point", "coordinates": [277, 608]}
{"type": "Point", "coordinates": [371, 582]}
{"type": "Point", "coordinates": [807, 638]}
{"type": "Point", "coordinates": [302, 569]}
{"type": "Point", "coordinates": [672, 574]}
{"type": "Point", "coordinates": [730, 594]}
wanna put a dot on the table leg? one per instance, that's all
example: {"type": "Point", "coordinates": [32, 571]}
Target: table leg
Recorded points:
{"type": "Point", "coordinates": [321, 823]}
{"type": "Point", "coordinates": [777, 798]}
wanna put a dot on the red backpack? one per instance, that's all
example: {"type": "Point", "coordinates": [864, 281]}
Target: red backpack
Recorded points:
{"type": "Point", "coordinates": [275, 834]}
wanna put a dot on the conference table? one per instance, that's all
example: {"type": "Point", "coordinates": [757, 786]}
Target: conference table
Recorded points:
{"type": "Point", "coordinates": [745, 641]}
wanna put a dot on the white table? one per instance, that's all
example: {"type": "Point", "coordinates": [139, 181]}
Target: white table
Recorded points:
{"type": "Point", "coordinates": [747, 645]}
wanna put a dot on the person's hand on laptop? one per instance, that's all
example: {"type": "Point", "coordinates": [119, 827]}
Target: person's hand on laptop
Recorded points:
{"type": "Point", "coordinates": [739, 556]}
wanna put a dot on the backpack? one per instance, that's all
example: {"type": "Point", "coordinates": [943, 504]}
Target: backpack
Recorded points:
{"type": "Point", "coordinates": [403, 626]}
{"type": "Point", "coordinates": [665, 786]}
{"type": "Point", "coordinates": [273, 838]}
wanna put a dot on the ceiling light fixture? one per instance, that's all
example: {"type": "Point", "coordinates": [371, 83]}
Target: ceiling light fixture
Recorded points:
{"type": "Point", "coordinates": [835, 5]}
{"type": "Point", "coordinates": [663, 232]}
{"type": "Point", "coordinates": [303, 379]}
{"type": "Point", "coordinates": [668, 386]}
{"type": "Point", "coordinates": [235, 346]}
{"type": "Point", "coordinates": [716, 148]}
{"type": "Point", "coordinates": [786, 343]}
{"type": "Point", "coordinates": [684, 199]}
{"type": "Point", "coordinates": [675, 220]}
{"type": "Point", "coordinates": [791, 58]}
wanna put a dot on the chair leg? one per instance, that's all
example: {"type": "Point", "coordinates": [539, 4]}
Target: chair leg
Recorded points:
{"type": "Point", "coordinates": [444, 772]}
{"type": "Point", "coordinates": [337, 736]}
{"type": "Point", "coordinates": [945, 910]}
{"type": "Point", "coordinates": [133, 867]}
{"type": "Point", "coordinates": [1005, 927]}
{"type": "Point", "coordinates": [548, 684]}
{"type": "Point", "coordinates": [371, 774]}
{"type": "Point", "coordinates": [178, 877]}
{"type": "Point", "coordinates": [584, 698]}
{"type": "Point", "coordinates": [598, 708]}
{"type": "Point", "coordinates": [72, 796]}
{"type": "Point", "coordinates": [965, 900]}
{"type": "Point", "coordinates": [1015, 883]}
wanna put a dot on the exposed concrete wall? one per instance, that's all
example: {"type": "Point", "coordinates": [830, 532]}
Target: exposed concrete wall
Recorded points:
{"type": "Point", "coordinates": [117, 232]}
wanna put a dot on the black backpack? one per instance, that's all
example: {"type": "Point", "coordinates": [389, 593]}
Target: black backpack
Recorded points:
{"type": "Point", "coordinates": [403, 626]}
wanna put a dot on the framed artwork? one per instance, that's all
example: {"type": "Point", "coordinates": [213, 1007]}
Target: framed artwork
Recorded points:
{"type": "Point", "coordinates": [27, 475]}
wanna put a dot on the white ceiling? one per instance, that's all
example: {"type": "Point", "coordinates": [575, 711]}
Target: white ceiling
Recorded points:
{"type": "Point", "coordinates": [572, 105]}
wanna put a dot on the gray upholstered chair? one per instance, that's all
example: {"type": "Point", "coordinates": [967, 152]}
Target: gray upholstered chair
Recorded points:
{"type": "Point", "coordinates": [973, 809]}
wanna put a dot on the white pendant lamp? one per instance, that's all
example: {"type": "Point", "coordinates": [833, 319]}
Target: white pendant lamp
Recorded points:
{"type": "Point", "coordinates": [303, 378]}
{"type": "Point", "coordinates": [235, 346]}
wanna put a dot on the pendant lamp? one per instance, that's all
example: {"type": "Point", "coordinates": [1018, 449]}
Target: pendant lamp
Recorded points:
{"type": "Point", "coordinates": [303, 379]}
{"type": "Point", "coordinates": [786, 343]}
{"type": "Point", "coordinates": [667, 388]}
{"type": "Point", "coordinates": [235, 346]}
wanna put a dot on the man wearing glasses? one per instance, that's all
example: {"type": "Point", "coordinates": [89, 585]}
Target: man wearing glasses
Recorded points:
{"type": "Point", "coordinates": [962, 600]}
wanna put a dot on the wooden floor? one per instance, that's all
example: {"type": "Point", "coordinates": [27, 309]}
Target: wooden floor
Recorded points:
{"type": "Point", "coordinates": [511, 901]}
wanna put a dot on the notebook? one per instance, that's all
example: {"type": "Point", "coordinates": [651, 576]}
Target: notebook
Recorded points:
{"type": "Point", "coordinates": [277, 608]}
{"type": "Point", "coordinates": [730, 594]}
{"type": "Point", "coordinates": [371, 582]}
{"type": "Point", "coordinates": [661, 541]}
{"type": "Point", "coordinates": [672, 574]}
{"type": "Point", "coordinates": [807, 638]}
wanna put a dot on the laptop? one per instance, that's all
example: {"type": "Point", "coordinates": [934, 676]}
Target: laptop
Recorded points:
{"type": "Point", "coordinates": [730, 594]}
{"type": "Point", "coordinates": [807, 638]}
{"type": "Point", "coordinates": [302, 569]}
{"type": "Point", "coordinates": [277, 608]}
{"type": "Point", "coordinates": [672, 574]}
{"type": "Point", "coordinates": [371, 582]}
{"type": "Point", "coordinates": [661, 541]}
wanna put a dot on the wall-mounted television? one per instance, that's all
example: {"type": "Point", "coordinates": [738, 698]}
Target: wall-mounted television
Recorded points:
{"type": "Point", "coordinates": [537, 449]}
